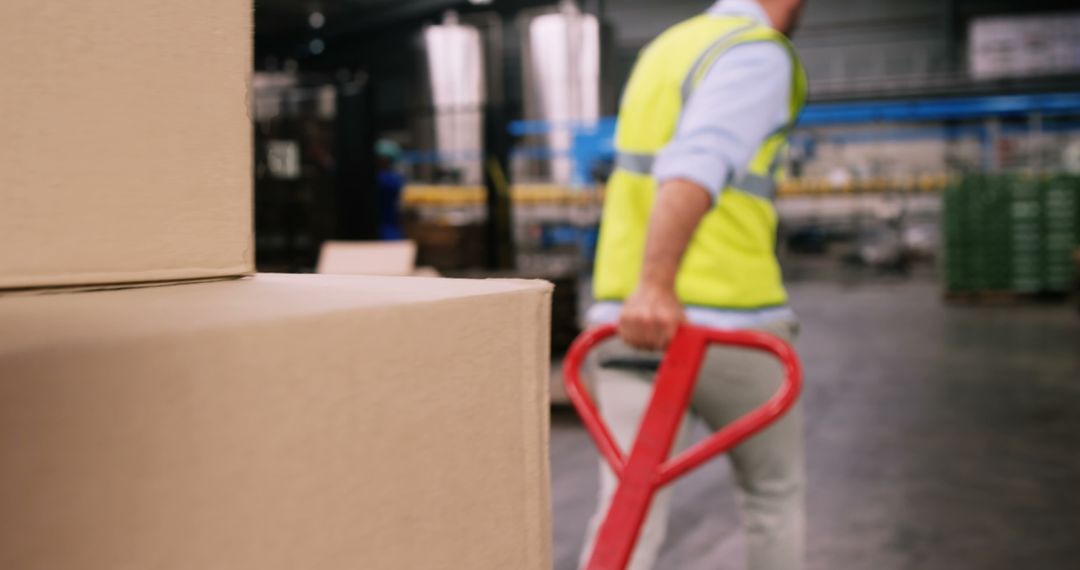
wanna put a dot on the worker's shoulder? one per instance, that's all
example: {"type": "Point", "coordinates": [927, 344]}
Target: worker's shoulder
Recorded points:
{"type": "Point", "coordinates": [762, 33]}
{"type": "Point", "coordinates": [705, 30]}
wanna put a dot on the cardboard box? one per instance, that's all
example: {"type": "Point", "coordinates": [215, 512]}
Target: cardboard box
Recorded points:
{"type": "Point", "coordinates": [391, 258]}
{"type": "Point", "coordinates": [279, 422]}
{"type": "Point", "coordinates": [127, 143]}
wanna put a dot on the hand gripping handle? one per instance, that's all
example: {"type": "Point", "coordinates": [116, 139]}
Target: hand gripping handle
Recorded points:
{"type": "Point", "coordinates": [687, 349]}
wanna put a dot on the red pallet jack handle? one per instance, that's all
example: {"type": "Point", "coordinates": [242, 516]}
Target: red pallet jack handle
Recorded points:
{"type": "Point", "coordinates": [648, 467]}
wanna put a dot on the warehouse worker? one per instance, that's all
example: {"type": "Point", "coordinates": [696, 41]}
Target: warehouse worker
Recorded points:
{"type": "Point", "coordinates": [390, 184]}
{"type": "Point", "coordinates": [688, 234]}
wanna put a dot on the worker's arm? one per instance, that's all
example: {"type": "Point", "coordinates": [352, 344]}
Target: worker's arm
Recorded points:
{"type": "Point", "coordinates": [652, 314]}
{"type": "Point", "coordinates": [742, 99]}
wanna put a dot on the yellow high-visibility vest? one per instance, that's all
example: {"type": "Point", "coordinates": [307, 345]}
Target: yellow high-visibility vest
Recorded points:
{"type": "Point", "coordinates": [731, 260]}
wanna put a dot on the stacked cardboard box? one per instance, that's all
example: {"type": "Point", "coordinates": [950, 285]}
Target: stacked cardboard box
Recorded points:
{"type": "Point", "coordinates": [387, 258]}
{"type": "Point", "coordinates": [252, 422]}
{"type": "Point", "coordinates": [126, 142]}
{"type": "Point", "coordinates": [277, 422]}
{"type": "Point", "coordinates": [1011, 233]}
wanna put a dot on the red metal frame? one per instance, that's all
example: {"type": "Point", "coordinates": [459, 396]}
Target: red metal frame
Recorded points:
{"type": "Point", "coordinates": [648, 467]}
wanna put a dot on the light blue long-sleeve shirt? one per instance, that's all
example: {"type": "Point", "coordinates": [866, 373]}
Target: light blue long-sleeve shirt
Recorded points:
{"type": "Point", "coordinates": [743, 98]}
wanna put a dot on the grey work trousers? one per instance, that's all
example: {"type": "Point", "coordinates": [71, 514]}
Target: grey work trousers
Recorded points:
{"type": "Point", "coordinates": [769, 467]}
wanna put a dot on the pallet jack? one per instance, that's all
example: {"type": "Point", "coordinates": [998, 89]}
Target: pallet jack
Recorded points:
{"type": "Point", "coordinates": [648, 467]}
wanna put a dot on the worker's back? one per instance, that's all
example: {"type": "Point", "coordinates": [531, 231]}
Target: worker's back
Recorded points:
{"type": "Point", "coordinates": [730, 262]}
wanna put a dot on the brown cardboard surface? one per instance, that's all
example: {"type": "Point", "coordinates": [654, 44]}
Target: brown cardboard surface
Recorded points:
{"type": "Point", "coordinates": [127, 144]}
{"type": "Point", "coordinates": [279, 422]}
{"type": "Point", "coordinates": [393, 258]}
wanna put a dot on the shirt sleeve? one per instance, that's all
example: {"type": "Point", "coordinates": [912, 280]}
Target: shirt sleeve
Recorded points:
{"type": "Point", "coordinates": [742, 99]}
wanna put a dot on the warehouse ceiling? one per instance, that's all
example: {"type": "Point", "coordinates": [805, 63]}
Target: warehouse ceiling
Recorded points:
{"type": "Point", "coordinates": [367, 32]}
{"type": "Point", "coordinates": [284, 28]}
{"type": "Point", "coordinates": [291, 17]}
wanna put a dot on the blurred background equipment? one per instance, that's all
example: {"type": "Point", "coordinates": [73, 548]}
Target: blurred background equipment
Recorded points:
{"type": "Point", "coordinates": [455, 65]}
{"type": "Point", "coordinates": [315, 170]}
{"type": "Point", "coordinates": [1009, 234]}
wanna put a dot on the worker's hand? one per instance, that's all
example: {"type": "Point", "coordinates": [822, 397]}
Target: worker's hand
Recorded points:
{"type": "Point", "coordinates": [650, 318]}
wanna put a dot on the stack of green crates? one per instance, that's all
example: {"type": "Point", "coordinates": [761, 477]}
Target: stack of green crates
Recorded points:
{"type": "Point", "coordinates": [1011, 233]}
{"type": "Point", "coordinates": [1061, 226]}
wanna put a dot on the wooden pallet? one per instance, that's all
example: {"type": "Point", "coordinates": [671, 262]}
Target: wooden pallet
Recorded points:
{"type": "Point", "coordinates": [982, 297]}
{"type": "Point", "coordinates": [1002, 297]}
{"type": "Point", "coordinates": [1076, 286]}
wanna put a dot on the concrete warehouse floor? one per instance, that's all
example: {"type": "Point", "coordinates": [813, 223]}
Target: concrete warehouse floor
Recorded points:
{"type": "Point", "coordinates": [938, 438]}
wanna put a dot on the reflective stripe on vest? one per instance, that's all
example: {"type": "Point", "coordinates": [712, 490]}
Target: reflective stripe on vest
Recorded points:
{"type": "Point", "coordinates": [754, 184]}
{"type": "Point", "coordinates": [704, 61]}
{"type": "Point", "coordinates": [638, 163]}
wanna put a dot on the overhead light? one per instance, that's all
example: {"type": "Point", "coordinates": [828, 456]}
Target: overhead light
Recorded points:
{"type": "Point", "coordinates": [316, 46]}
{"type": "Point", "coordinates": [480, 2]}
{"type": "Point", "coordinates": [316, 19]}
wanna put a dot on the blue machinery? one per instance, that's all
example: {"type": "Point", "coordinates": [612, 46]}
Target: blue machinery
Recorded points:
{"type": "Point", "coordinates": [593, 142]}
{"type": "Point", "coordinates": [1001, 106]}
